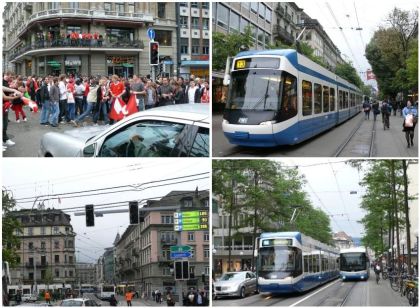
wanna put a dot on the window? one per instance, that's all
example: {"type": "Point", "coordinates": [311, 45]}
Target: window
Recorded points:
{"type": "Point", "coordinates": [30, 231]}
{"type": "Point", "coordinates": [195, 23]}
{"type": "Point", "coordinates": [205, 202]}
{"type": "Point", "coordinates": [107, 7]}
{"type": "Point", "coordinates": [206, 253]}
{"type": "Point", "coordinates": [163, 37]}
{"type": "Point", "coordinates": [205, 23]}
{"type": "Point", "coordinates": [183, 4]}
{"type": "Point", "coordinates": [71, 273]}
{"type": "Point", "coordinates": [42, 245]}
{"type": "Point", "coordinates": [306, 97]}
{"type": "Point", "coordinates": [254, 7]}
{"type": "Point", "coordinates": [318, 98]}
{"type": "Point", "coordinates": [56, 258]}
{"type": "Point", "coordinates": [145, 139]}
{"type": "Point", "coordinates": [268, 15]}
{"type": "Point", "coordinates": [56, 230]}
{"type": "Point", "coordinates": [244, 25]}
{"type": "Point", "coordinates": [43, 274]}
{"type": "Point", "coordinates": [288, 108]}
{"type": "Point", "coordinates": [206, 236]}
{"type": "Point", "coordinates": [200, 147]}
{"type": "Point", "coordinates": [195, 46]}
{"type": "Point", "coordinates": [42, 230]}
{"type": "Point", "coordinates": [119, 8]}
{"type": "Point", "coordinates": [74, 5]}
{"type": "Point", "coordinates": [205, 5]}
{"type": "Point", "coordinates": [31, 245]}
{"type": "Point", "coordinates": [120, 35]}
{"type": "Point", "coordinates": [183, 20]}
{"type": "Point", "coordinates": [71, 259]}
{"type": "Point", "coordinates": [166, 219]}
{"type": "Point", "coordinates": [234, 22]}
{"type": "Point", "coordinates": [346, 100]}
{"type": "Point", "coordinates": [56, 244]}
{"type": "Point", "coordinates": [325, 99]}
{"type": "Point", "coordinates": [261, 35]}
{"type": "Point", "coordinates": [194, 5]}
{"type": "Point", "coordinates": [191, 236]}
{"type": "Point", "coordinates": [57, 273]}
{"type": "Point", "coordinates": [340, 99]}
{"type": "Point", "coordinates": [18, 260]}
{"type": "Point", "coordinates": [184, 45]}
{"type": "Point", "coordinates": [161, 9]}
{"type": "Point", "coordinates": [192, 271]}
{"type": "Point", "coordinates": [261, 10]}
{"type": "Point", "coordinates": [166, 271]}
{"type": "Point", "coordinates": [245, 5]}
{"type": "Point", "coordinates": [131, 7]}
{"type": "Point", "coordinates": [187, 202]}
{"type": "Point", "coordinates": [222, 16]}
{"type": "Point", "coordinates": [207, 270]}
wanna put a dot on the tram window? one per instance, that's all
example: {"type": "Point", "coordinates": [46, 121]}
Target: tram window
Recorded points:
{"type": "Point", "coordinates": [346, 100]}
{"type": "Point", "coordinates": [298, 262]}
{"type": "Point", "coordinates": [318, 98]}
{"type": "Point", "coordinates": [340, 100]}
{"type": "Point", "coordinates": [325, 99]}
{"type": "Point", "coordinates": [310, 269]}
{"type": "Point", "coordinates": [288, 107]}
{"type": "Point", "coordinates": [332, 99]}
{"type": "Point", "coordinates": [306, 97]}
{"type": "Point", "coordinates": [315, 261]}
{"type": "Point", "coordinates": [306, 263]}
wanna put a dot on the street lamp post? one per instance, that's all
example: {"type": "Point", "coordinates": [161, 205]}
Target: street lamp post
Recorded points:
{"type": "Point", "coordinates": [395, 254]}
{"type": "Point", "coordinates": [417, 251]}
{"type": "Point", "coordinates": [403, 242]}
{"type": "Point", "coordinates": [389, 256]}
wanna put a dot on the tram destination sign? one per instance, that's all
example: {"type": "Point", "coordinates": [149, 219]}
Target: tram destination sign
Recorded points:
{"type": "Point", "coordinates": [191, 221]}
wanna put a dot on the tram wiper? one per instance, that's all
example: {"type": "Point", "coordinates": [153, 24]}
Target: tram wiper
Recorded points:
{"type": "Point", "coordinates": [263, 98]}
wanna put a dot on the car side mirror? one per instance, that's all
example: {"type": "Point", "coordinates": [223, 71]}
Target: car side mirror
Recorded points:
{"type": "Point", "coordinates": [89, 151]}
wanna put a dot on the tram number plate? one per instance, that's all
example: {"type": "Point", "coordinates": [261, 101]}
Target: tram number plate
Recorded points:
{"type": "Point", "coordinates": [240, 64]}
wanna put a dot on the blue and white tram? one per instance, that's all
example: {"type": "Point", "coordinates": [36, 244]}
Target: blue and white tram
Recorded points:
{"type": "Point", "coordinates": [293, 262]}
{"type": "Point", "coordinates": [354, 264]}
{"type": "Point", "coordinates": [280, 97]}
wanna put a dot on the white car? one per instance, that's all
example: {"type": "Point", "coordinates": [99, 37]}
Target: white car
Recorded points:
{"type": "Point", "coordinates": [79, 302]}
{"type": "Point", "coordinates": [235, 284]}
{"type": "Point", "coordinates": [169, 131]}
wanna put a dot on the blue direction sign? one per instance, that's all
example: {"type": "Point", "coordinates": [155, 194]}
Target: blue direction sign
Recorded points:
{"type": "Point", "coordinates": [151, 34]}
{"type": "Point", "coordinates": [181, 255]}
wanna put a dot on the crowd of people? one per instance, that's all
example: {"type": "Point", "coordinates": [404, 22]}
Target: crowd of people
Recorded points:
{"type": "Point", "coordinates": [69, 99]}
{"type": "Point", "coordinates": [409, 113]}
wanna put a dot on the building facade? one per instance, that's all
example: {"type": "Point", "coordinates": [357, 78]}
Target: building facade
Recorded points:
{"type": "Point", "coordinates": [108, 265]}
{"type": "Point", "coordinates": [142, 254]}
{"type": "Point", "coordinates": [39, 37]}
{"type": "Point", "coordinates": [286, 23]}
{"type": "Point", "coordinates": [194, 38]}
{"type": "Point", "coordinates": [342, 240]}
{"type": "Point", "coordinates": [46, 250]}
{"type": "Point", "coordinates": [86, 273]}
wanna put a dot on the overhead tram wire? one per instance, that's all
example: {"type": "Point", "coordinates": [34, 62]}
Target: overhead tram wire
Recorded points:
{"type": "Point", "coordinates": [358, 25]}
{"type": "Point", "coordinates": [342, 33]}
{"type": "Point", "coordinates": [31, 199]}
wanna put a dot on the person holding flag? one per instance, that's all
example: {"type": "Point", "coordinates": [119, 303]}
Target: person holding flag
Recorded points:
{"type": "Point", "coordinates": [116, 90]}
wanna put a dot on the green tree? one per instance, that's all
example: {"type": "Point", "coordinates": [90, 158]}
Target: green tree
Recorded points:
{"type": "Point", "coordinates": [9, 227]}
{"type": "Point", "coordinates": [412, 63]}
{"type": "Point", "coordinates": [348, 72]}
{"type": "Point", "coordinates": [228, 45]}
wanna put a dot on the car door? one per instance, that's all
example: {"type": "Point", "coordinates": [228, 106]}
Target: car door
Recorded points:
{"type": "Point", "coordinates": [146, 138]}
{"type": "Point", "coordinates": [200, 146]}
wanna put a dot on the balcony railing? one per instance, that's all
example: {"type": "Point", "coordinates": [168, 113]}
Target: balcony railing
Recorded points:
{"type": "Point", "coordinates": [280, 9]}
{"type": "Point", "coordinates": [87, 44]}
{"type": "Point", "coordinates": [38, 264]}
{"type": "Point", "coordinates": [169, 241]}
{"type": "Point", "coordinates": [283, 34]}
{"type": "Point", "coordinates": [91, 14]}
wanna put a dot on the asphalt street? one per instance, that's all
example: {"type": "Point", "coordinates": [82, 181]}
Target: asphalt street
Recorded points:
{"type": "Point", "coordinates": [335, 293]}
{"type": "Point", "coordinates": [389, 143]}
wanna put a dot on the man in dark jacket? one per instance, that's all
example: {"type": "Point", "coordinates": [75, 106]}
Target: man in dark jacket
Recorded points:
{"type": "Point", "coordinates": [44, 94]}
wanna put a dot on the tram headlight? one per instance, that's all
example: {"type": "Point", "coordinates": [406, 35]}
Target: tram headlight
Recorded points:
{"type": "Point", "coordinates": [268, 123]}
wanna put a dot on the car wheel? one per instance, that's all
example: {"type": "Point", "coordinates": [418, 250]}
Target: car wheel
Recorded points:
{"type": "Point", "coordinates": [242, 293]}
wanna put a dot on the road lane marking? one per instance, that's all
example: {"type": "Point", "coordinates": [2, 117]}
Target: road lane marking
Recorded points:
{"type": "Point", "coordinates": [310, 295]}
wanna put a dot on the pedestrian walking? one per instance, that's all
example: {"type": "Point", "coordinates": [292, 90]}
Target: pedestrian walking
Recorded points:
{"type": "Point", "coordinates": [91, 101]}
{"type": "Point", "coordinates": [47, 297]}
{"type": "Point", "coordinates": [113, 301]}
{"type": "Point", "coordinates": [375, 108]}
{"type": "Point", "coordinates": [366, 109]}
{"type": "Point", "coordinates": [192, 93]}
{"type": "Point", "coordinates": [129, 297]}
{"type": "Point", "coordinates": [78, 97]}
{"type": "Point", "coordinates": [18, 298]}
{"type": "Point", "coordinates": [44, 93]}
{"type": "Point", "coordinates": [137, 88]}
{"type": "Point", "coordinates": [170, 299]}
{"type": "Point", "coordinates": [63, 98]}
{"type": "Point", "coordinates": [150, 100]}
{"type": "Point", "coordinates": [101, 103]}
{"type": "Point", "coordinates": [410, 121]}
{"type": "Point", "coordinates": [71, 103]}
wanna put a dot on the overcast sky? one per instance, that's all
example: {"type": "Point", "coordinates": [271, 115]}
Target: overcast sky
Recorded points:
{"type": "Point", "coordinates": [34, 177]}
{"type": "Point", "coordinates": [366, 14]}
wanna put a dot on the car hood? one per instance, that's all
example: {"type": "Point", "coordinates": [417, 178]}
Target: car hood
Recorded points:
{"type": "Point", "coordinates": [85, 133]}
{"type": "Point", "coordinates": [227, 283]}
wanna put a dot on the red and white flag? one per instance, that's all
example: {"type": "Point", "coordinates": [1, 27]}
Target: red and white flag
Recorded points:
{"type": "Point", "coordinates": [120, 109]}
{"type": "Point", "coordinates": [33, 105]}
{"type": "Point", "coordinates": [370, 75]}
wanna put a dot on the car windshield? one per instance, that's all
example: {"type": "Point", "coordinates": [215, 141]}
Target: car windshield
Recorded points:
{"type": "Point", "coordinates": [263, 90]}
{"type": "Point", "coordinates": [232, 277]}
{"type": "Point", "coordinates": [352, 261]}
{"type": "Point", "coordinates": [278, 259]}
{"type": "Point", "coordinates": [72, 303]}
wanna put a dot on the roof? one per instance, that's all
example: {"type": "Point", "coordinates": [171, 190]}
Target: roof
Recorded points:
{"type": "Point", "coordinates": [342, 236]}
{"type": "Point", "coordinates": [269, 52]}
{"type": "Point", "coordinates": [176, 195]}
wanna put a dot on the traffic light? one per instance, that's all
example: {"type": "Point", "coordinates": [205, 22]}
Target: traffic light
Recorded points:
{"type": "Point", "coordinates": [90, 215]}
{"type": "Point", "coordinates": [154, 53]}
{"type": "Point", "coordinates": [134, 212]}
{"type": "Point", "coordinates": [182, 270]}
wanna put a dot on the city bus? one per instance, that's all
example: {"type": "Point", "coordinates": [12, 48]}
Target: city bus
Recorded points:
{"type": "Point", "coordinates": [105, 291]}
{"type": "Point", "coordinates": [354, 264]}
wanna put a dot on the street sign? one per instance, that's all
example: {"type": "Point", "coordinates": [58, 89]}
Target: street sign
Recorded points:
{"type": "Point", "coordinates": [180, 248]}
{"type": "Point", "coordinates": [151, 34]}
{"type": "Point", "coordinates": [181, 255]}
{"type": "Point", "coordinates": [191, 220]}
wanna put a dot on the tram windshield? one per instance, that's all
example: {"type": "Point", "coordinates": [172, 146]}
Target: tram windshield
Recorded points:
{"type": "Point", "coordinates": [353, 262]}
{"type": "Point", "coordinates": [280, 259]}
{"type": "Point", "coordinates": [263, 89]}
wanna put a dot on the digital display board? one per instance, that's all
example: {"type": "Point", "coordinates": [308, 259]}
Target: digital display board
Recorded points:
{"type": "Point", "coordinates": [191, 221]}
{"type": "Point", "coordinates": [257, 62]}
{"type": "Point", "coordinates": [277, 242]}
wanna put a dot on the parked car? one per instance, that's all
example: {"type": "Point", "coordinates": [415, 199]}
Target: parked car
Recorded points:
{"type": "Point", "coordinates": [176, 130]}
{"type": "Point", "coordinates": [29, 298]}
{"type": "Point", "coordinates": [79, 302]}
{"type": "Point", "coordinates": [235, 284]}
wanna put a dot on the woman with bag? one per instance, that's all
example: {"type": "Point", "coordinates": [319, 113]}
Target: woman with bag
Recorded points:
{"type": "Point", "coordinates": [366, 109]}
{"type": "Point", "coordinates": [409, 124]}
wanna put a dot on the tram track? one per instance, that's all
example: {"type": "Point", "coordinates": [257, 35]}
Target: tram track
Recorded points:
{"type": "Point", "coordinates": [350, 138]}
{"type": "Point", "coordinates": [340, 300]}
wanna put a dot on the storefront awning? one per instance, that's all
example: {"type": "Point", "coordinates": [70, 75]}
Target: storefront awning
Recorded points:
{"type": "Point", "coordinates": [54, 63]}
{"type": "Point", "coordinates": [127, 65]}
{"type": "Point", "coordinates": [195, 63]}
{"type": "Point", "coordinates": [168, 62]}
